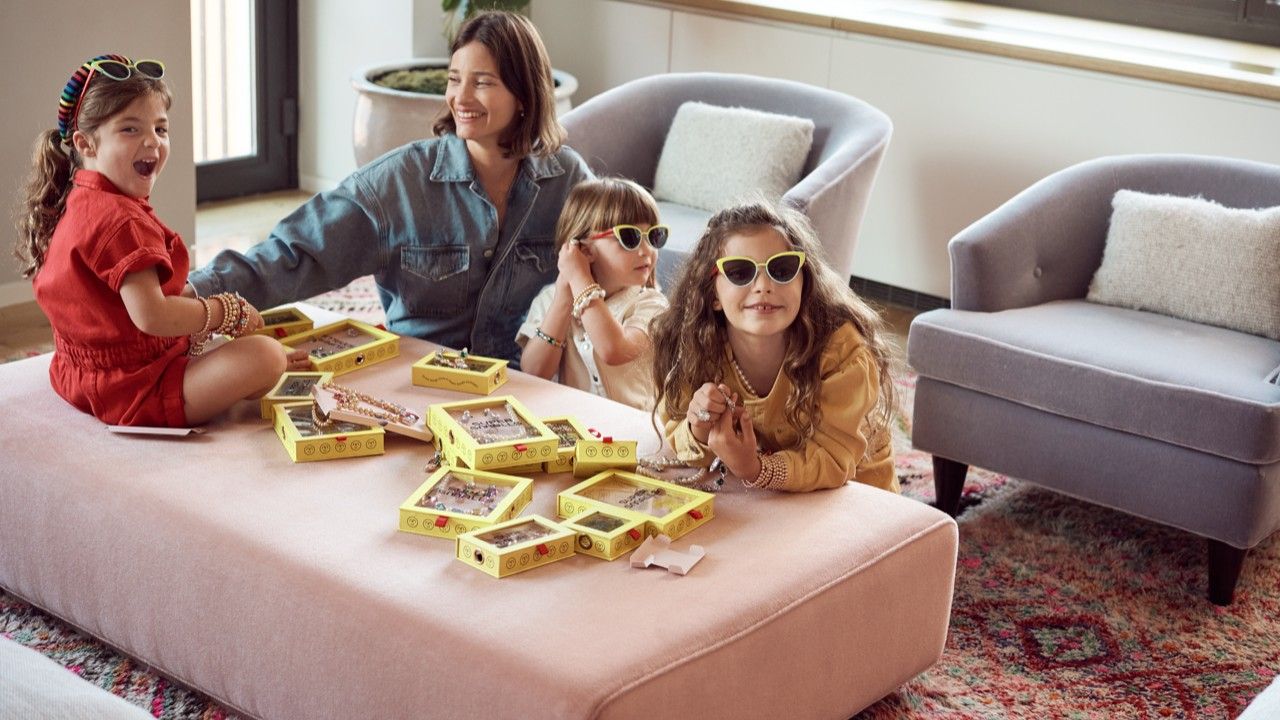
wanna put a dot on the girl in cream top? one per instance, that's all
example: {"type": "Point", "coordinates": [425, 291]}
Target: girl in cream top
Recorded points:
{"type": "Point", "coordinates": [769, 362]}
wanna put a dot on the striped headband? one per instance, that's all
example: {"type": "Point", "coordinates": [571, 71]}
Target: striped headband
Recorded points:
{"type": "Point", "coordinates": [70, 99]}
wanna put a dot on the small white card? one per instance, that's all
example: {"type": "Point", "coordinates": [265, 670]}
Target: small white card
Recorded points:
{"type": "Point", "coordinates": [144, 430]}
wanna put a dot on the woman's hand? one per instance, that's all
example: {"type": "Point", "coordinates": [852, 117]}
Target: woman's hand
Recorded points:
{"type": "Point", "coordinates": [574, 265]}
{"type": "Point", "coordinates": [733, 440]}
{"type": "Point", "coordinates": [705, 407]}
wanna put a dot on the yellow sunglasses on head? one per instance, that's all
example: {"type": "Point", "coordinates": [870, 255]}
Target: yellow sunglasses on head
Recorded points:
{"type": "Point", "coordinates": [781, 268]}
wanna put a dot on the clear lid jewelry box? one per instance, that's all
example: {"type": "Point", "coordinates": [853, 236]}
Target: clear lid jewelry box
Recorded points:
{"type": "Point", "coordinates": [569, 430]}
{"type": "Point", "coordinates": [345, 346]}
{"type": "Point", "coordinates": [667, 509]}
{"type": "Point", "coordinates": [454, 501]}
{"type": "Point", "coordinates": [516, 545]}
{"type": "Point", "coordinates": [293, 387]}
{"type": "Point", "coordinates": [282, 322]}
{"type": "Point", "coordinates": [306, 441]}
{"type": "Point", "coordinates": [496, 433]}
{"type": "Point", "coordinates": [606, 534]}
{"type": "Point", "coordinates": [449, 370]}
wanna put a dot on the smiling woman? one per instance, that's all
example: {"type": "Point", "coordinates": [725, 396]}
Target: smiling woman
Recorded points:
{"type": "Point", "coordinates": [456, 229]}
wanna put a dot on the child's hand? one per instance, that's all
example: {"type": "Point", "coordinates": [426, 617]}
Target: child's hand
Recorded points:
{"type": "Point", "coordinates": [575, 265]}
{"type": "Point", "coordinates": [253, 320]}
{"type": "Point", "coordinates": [736, 446]}
{"type": "Point", "coordinates": [705, 407]}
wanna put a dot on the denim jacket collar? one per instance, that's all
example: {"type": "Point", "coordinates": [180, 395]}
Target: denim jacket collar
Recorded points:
{"type": "Point", "coordinates": [453, 163]}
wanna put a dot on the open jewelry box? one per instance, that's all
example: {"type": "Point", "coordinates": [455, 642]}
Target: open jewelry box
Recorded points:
{"type": "Point", "coordinates": [461, 372]}
{"type": "Point", "coordinates": [284, 321]}
{"type": "Point", "coordinates": [491, 434]}
{"type": "Point", "coordinates": [569, 430]}
{"type": "Point", "coordinates": [293, 387]}
{"type": "Point", "coordinates": [667, 509]}
{"type": "Point", "coordinates": [345, 346]}
{"type": "Point", "coordinates": [516, 545]}
{"type": "Point", "coordinates": [454, 501]}
{"type": "Point", "coordinates": [306, 440]}
{"type": "Point", "coordinates": [606, 534]}
{"type": "Point", "coordinates": [343, 403]}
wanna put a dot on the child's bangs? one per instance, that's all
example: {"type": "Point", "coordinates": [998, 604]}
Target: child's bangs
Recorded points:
{"type": "Point", "coordinates": [624, 205]}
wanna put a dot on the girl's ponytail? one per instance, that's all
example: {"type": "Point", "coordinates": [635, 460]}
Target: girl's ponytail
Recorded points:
{"type": "Point", "coordinates": [44, 201]}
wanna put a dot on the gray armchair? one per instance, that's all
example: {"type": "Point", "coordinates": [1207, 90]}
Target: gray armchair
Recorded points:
{"type": "Point", "coordinates": [1162, 418]}
{"type": "Point", "coordinates": [622, 131]}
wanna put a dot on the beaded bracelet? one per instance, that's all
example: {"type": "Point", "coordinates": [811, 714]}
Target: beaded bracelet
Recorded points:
{"type": "Point", "coordinates": [208, 317]}
{"type": "Point", "coordinates": [773, 473]}
{"type": "Point", "coordinates": [592, 293]}
{"type": "Point", "coordinates": [548, 339]}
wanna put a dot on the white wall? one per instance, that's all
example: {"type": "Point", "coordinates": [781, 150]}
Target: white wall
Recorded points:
{"type": "Point", "coordinates": [40, 45]}
{"type": "Point", "coordinates": [335, 38]}
{"type": "Point", "coordinates": [971, 130]}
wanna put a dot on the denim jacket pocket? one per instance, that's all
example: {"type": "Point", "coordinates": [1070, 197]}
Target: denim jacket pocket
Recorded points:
{"type": "Point", "coordinates": [532, 266]}
{"type": "Point", "coordinates": [437, 279]}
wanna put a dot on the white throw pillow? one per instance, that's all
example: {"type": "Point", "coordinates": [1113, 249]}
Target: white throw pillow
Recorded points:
{"type": "Point", "coordinates": [1194, 259]}
{"type": "Point", "coordinates": [715, 156]}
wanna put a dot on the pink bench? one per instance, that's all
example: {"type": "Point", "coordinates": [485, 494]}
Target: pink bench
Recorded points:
{"type": "Point", "coordinates": [285, 590]}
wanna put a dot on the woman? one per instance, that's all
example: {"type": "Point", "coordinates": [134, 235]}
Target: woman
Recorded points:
{"type": "Point", "coordinates": [458, 230]}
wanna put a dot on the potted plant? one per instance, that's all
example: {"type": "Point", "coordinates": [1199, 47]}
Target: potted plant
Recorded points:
{"type": "Point", "coordinates": [396, 103]}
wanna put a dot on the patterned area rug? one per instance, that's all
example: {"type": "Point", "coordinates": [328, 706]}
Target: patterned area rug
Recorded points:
{"type": "Point", "coordinates": [1062, 610]}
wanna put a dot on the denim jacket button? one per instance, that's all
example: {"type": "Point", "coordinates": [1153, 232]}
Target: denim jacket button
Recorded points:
{"type": "Point", "coordinates": [488, 253]}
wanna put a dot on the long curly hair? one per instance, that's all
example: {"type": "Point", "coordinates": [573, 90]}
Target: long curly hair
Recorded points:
{"type": "Point", "coordinates": [689, 338]}
{"type": "Point", "coordinates": [54, 160]}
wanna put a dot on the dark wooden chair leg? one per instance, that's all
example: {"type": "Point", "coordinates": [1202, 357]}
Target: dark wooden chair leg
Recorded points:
{"type": "Point", "coordinates": [948, 483]}
{"type": "Point", "coordinates": [1225, 562]}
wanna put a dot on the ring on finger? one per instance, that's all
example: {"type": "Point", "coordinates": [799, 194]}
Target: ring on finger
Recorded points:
{"type": "Point", "coordinates": [703, 415]}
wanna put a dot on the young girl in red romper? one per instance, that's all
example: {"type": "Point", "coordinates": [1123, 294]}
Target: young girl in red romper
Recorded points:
{"type": "Point", "coordinates": [109, 275]}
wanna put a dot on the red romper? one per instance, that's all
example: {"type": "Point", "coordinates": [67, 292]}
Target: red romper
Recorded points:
{"type": "Point", "coordinates": [102, 363]}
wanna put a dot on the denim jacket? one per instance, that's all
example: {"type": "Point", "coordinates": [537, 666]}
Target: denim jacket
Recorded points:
{"type": "Point", "coordinates": [418, 220]}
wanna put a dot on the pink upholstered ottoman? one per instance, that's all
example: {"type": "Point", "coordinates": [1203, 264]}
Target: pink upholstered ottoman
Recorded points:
{"type": "Point", "coordinates": [285, 590]}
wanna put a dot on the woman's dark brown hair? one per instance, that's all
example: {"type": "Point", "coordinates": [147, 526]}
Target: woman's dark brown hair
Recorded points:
{"type": "Point", "coordinates": [54, 161]}
{"type": "Point", "coordinates": [525, 70]}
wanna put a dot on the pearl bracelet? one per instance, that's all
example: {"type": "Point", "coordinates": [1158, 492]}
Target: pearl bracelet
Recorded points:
{"type": "Point", "coordinates": [592, 293]}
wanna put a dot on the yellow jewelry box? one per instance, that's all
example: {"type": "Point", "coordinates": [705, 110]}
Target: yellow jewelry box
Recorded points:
{"type": "Point", "coordinates": [345, 345]}
{"type": "Point", "coordinates": [516, 545]}
{"type": "Point", "coordinates": [592, 455]}
{"type": "Point", "coordinates": [284, 321]}
{"type": "Point", "coordinates": [667, 509]}
{"type": "Point", "coordinates": [454, 501]}
{"type": "Point", "coordinates": [606, 534]}
{"type": "Point", "coordinates": [307, 441]}
{"type": "Point", "coordinates": [293, 387]}
{"type": "Point", "coordinates": [496, 433]}
{"type": "Point", "coordinates": [482, 375]}
{"type": "Point", "coordinates": [569, 431]}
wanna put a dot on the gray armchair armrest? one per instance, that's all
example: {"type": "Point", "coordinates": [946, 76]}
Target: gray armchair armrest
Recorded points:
{"type": "Point", "coordinates": [835, 193]}
{"type": "Point", "coordinates": [1042, 245]}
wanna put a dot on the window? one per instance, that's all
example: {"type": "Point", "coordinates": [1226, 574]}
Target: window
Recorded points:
{"type": "Point", "coordinates": [1256, 21]}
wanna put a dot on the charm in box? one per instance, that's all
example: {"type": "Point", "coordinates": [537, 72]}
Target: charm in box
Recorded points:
{"type": "Point", "coordinates": [284, 321]}
{"type": "Point", "coordinates": [569, 431]}
{"type": "Point", "coordinates": [605, 534]}
{"type": "Point", "coordinates": [516, 545]}
{"type": "Point", "coordinates": [460, 371]}
{"type": "Point", "coordinates": [454, 501]}
{"type": "Point", "coordinates": [596, 454]}
{"type": "Point", "coordinates": [306, 439]}
{"type": "Point", "coordinates": [491, 434]}
{"type": "Point", "coordinates": [344, 403]}
{"type": "Point", "coordinates": [667, 509]}
{"type": "Point", "coordinates": [293, 387]}
{"type": "Point", "coordinates": [346, 345]}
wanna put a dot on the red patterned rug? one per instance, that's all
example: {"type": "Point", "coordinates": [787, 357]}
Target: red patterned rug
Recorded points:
{"type": "Point", "coordinates": [1062, 610]}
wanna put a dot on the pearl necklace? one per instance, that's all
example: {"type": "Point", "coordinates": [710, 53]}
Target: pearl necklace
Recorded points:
{"type": "Point", "coordinates": [742, 377]}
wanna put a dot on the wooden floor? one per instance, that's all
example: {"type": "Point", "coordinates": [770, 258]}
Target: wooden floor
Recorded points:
{"type": "Point", "coordinates": [238, 224]}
